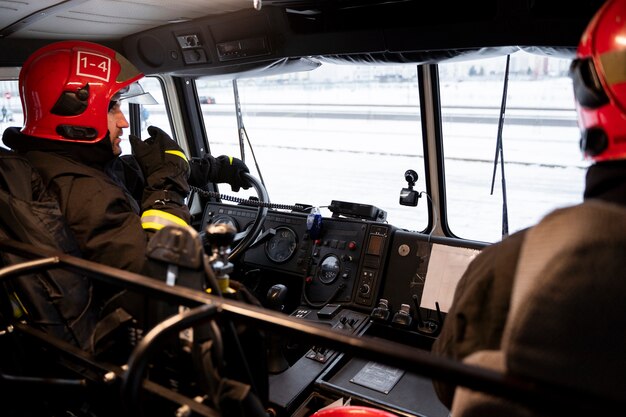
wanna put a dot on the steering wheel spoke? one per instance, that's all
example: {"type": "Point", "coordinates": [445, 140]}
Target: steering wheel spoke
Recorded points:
{"type": "Point", "coordinates": [253, 232]}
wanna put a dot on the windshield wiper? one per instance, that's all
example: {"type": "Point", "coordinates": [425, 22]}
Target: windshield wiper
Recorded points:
{"type": "Point", "coordinates": [500, 153]}
{"type": "Point", "coordinates": [243, 133]}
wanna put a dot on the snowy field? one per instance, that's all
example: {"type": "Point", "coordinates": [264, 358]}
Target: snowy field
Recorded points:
{"type": "Point", "coordinates": [315, 160]}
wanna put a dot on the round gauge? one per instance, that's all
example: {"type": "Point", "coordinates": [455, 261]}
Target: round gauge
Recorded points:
{"type": "Point", "coordinates": [282, 245]}
{"type": "Point", "coordinates": [329, 269]}
{"type": "Point", "coordinates": [224, 219]}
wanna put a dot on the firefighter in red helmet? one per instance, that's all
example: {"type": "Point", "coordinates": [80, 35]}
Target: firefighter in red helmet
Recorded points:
{"type": "Point", "coordinates": [67, 87]}
{"type": "Point", "coordinates": [485, 307]}
{"type": "Point", "coordinates": [71, 94]}
{"type": "Point", "coordinates": [599, 78]}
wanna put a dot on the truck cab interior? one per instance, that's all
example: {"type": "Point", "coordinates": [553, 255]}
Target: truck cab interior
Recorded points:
{"type": "Point", "coordinates": [388, 142]}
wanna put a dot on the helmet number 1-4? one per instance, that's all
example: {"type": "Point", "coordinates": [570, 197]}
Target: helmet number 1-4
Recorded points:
{"type": "Point", "coordinates": [94, 65]}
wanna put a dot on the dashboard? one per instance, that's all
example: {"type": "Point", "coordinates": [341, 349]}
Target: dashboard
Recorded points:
{"type": "Point", "coordinates": [355, 275]}
{"type": "Point", "coordinates": [351, 262]}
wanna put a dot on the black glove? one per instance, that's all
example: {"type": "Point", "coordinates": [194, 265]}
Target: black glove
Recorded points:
{"type": "Point", "coordinates": [223, 169]}
{"type": "Point", "coordinates": [201, 170]}
{"type": "Point", "coordinates": [162, 162]}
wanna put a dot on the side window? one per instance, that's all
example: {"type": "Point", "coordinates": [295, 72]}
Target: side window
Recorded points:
{"type": "Point", "coordinates": [149, 114]}
{"type": "Point", "coordinates": [10, 105]}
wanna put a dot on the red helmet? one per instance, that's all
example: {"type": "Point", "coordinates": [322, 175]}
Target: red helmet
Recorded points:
{"type": "Point", "coordinates": [599, 75]}
{"type": "Point", "coordinates": [352, 411]}
{"type": "Point", "coordinates": [66, 88]}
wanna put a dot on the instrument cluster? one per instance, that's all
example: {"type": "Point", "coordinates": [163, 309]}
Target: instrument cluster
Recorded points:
{"type": "Point", "coordinates": [343, 264]}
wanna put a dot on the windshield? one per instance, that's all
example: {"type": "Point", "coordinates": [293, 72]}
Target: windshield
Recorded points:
{"type": "Point", "coordinates": [543, 167]}
{"type": "Point", "coordinates": [345, 133]}
{"type": "Point", "coordinates": [349, 133]}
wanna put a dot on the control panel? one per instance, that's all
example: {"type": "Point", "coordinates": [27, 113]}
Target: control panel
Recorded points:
{"type": "Point", "coordinates": [344, 264]}
{"type": "Point", "coordinates": [336, 317]}
{"type": "Point", "coordinates": [373, 261]}
{"type": "Point", "coordinates": [335, 260]}
{"type": "Point", "coordinates": [410, 258]}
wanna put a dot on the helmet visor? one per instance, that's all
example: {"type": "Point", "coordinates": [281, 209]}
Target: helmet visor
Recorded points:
{"type": "Point", "coordinates": [134, 93]}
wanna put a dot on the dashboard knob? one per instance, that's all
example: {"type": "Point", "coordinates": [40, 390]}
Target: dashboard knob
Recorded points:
{"type": "Point", "coordinates": [346, 258]}
{"type": "Point", "coordinates": [365, 289]}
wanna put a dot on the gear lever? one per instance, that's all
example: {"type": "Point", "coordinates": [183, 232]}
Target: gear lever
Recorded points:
{"type": "Point", "coordinates": [276, 296]}
{"type": "Point", "coordinates": [275, 300]}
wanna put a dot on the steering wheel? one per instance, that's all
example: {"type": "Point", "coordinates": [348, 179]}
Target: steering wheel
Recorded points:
{"type": "Point", "coordinates": [249, 236]}
{"type": "Point", "coordinates": [255, 230]}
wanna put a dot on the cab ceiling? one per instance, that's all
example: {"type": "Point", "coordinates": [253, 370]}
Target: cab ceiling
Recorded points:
{"type": "Point", "coordinates": [101, 20]}
{"type": "Point", "coordinates": [112, 20]}
{"type": "Point", "coordinates": [153, 33]}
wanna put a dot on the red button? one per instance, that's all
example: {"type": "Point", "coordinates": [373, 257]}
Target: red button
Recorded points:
{"type": "Point", "coordinates": [352, 245]}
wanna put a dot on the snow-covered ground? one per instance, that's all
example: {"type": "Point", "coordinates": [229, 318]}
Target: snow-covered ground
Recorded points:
{"type": "Point", "coordinates": [313, 160]}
